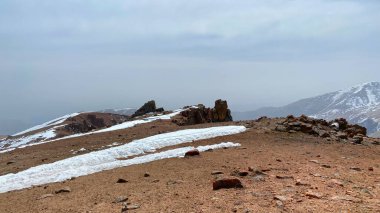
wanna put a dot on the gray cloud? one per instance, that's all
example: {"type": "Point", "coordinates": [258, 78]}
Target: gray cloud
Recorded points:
{"type": "Point", "coordinates": [62, 56]}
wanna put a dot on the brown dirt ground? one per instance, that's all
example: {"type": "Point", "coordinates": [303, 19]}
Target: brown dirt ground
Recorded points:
{"type": "Point", "coordinates": [185, 184]}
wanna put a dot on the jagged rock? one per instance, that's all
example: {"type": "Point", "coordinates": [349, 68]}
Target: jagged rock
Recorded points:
{"type": "Point", "coordinates": [221, 113]}
{"type": "Point", "coordinates": [200, 114]}
{"type": "Point", "coordinates": [148, 107]}
{"type": "Point", "coordinates": [227, 183]}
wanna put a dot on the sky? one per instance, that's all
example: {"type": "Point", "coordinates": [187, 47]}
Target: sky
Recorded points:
{"type": "Point", "coordinates": [63, 56]}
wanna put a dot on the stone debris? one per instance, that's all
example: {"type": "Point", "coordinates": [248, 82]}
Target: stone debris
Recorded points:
{"type": "Point", "coordinates": [338, 129]}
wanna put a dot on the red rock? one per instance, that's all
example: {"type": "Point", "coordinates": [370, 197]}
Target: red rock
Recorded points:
{"type": "Point", "coordinates": [192, 153]}
{"type": "Point", "coordinates": [227, 183]}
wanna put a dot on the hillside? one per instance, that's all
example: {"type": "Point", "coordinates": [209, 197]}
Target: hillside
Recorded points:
{"type": "Point", "coordinates": [196, 160]}
{"type": "Point", "coordinates": [359, 104]}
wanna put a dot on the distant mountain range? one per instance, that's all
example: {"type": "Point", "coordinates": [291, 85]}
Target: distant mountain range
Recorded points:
{"type": "Point", "coordinates": [359, 104]}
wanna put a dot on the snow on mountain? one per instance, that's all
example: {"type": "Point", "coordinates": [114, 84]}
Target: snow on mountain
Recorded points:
{"type": "Point", "coordinates": [110, 158]}
{"type": "Point", "coordinates": [359, 104]}
{"type": "Point", "coordinates": [46, 136]}
{"type": "Point", "coordinates": [47, 124]}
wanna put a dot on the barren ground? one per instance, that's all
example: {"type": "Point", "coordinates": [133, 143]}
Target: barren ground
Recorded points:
{"type": "Point", "coordinates": [323, 170]}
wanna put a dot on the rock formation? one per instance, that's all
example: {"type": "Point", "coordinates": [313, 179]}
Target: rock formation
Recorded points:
{"type": "Point", "coordinates": [338, 129]}
{"type": "Point", "coordinates": [148, 107]}
{"type": "Point", "coordinates": [200, 114]}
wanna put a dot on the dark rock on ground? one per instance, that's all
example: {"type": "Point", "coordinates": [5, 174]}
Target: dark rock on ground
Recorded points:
{"type": "Point", "coordinates": [227, 183]}
{"type": "Point", "coordinates": [121, 180]}
{"type": "Point", "coordinates": [63, 190]}
{"type": "Point", "coordinates": [192, 153]}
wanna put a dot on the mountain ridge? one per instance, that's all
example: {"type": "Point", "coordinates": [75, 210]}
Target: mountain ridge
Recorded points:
{"type": "Point", "coordinates": [359, 104]}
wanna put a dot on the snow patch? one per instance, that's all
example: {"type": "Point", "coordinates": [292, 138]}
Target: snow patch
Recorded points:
{"type": "Point", "coordinates": [108, 159]}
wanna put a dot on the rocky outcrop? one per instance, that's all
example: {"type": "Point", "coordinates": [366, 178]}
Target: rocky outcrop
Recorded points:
{"type": "Point", "coordinates": [86, 122]}
{"type": "Point", "coordinates": [221, 113]}
{"type": "Point", "coordinates": [148, 107]}
{"type": "Point", "coordinates": [200, 114]}
{"type": "Point", "coordinates": [338, 129]}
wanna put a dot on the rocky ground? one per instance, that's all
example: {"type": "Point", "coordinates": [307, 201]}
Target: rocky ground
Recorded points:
{"type": "Point", "coordinates": [279, 171]}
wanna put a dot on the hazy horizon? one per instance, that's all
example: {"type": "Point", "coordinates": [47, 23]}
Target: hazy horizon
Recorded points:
{"type": "Point", "coordinates": [58, 57]}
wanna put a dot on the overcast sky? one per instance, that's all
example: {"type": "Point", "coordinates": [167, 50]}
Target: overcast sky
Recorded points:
{"type": "Point", "coordinates": [61, 56]}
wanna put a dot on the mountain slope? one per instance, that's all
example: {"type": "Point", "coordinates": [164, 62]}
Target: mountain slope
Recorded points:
{"type": "Point", "coordinates": [359, 104]}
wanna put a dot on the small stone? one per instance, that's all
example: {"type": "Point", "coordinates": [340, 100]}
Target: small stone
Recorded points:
{"type": "Point", "coordinates": [356, 169]}
{"type": "Point", "coordinates": [155, 181]}
{"type": "Point", "coordinates": [279, 204]}
{"type": "Point", "coordinates": [314, 195]}
{"type": "Point", "coordinates": [335, 182]}
{"type": "Point", "coordinates": [280, 198]}
{"type": "Point", "coordinates": [216, 173]}
{"type": "Point", "coordinates": [346, 198]}
{"type": "Point", "coordinates": [11, 162]}
{"type": "Point", "coordinates": [191, 153]}
{"type": "Point", "coordinates": [257, 171]}
{"type": "Point", "coordinates": [120, 199]}
{"type": "Point", "coordinates": [146, 174]}
{"type": "Point", "coordinates": [314, 161]}
{"type": "Point", "coordinates": [370, 169]}
{"type": "Point", "coordinates": [63, 190]}
{"type": "Point", "coordinates": [129, 207]}
{"type": "Point", "coordinates": [121, 180]}
{"type": "Point", "coordinates": [299, 182]}
{"type": "Point", "coordinates": [326, 166]}
{"type": "Point", "coordinates": [284, 177]}
{"type": "Point", "coordinates": [45, 196]}
{"type": "Point", "coordinates": [243, 173]}
{"type": "Point", "coordinates": [227, 183]}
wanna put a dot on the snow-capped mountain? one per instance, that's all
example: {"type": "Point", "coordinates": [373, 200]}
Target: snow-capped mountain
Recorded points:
{"type": "Point", "coordinates": [359, 104]}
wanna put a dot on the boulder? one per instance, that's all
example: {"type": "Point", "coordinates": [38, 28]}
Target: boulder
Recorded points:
{"type": "Point", "coordinates": [191, 153]}
{"type": "Point", "coordinates": [227, 183]}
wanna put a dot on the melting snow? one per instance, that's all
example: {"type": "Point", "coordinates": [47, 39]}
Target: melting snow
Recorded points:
{"type": "Point", "coordinates": [107, 159]}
